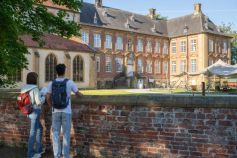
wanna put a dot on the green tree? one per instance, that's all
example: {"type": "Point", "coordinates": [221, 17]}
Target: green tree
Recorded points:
{"type": "Point", "coordinates": [20, 17]}
{"type": "Point", "coordinates": [227, 28]}
{"type": "Point", "coordinates": [160, 17]}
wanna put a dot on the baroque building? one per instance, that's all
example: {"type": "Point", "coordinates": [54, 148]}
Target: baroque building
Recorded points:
{"type": "Point", "coordinates": [132, 48]}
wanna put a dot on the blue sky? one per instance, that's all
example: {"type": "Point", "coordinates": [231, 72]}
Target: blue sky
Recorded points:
{"type": "Point", "coordinates": [217, 10]}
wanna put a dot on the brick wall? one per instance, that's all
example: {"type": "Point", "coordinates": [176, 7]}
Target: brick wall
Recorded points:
{"type": "Point", "coordinates": [163, 126]}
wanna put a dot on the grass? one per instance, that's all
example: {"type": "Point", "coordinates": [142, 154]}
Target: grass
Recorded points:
{"type": "Point", "coordinates": [132, 92]}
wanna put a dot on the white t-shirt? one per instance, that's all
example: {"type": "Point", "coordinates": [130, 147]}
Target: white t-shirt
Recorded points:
{"type": "Point", "coordinates": [71, 87]}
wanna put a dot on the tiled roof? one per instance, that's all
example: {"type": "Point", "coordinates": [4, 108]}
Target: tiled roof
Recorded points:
{"type": "Point", "coordinates": [56, 42]}
{"type": "Point", "coordinates": [118, 19]}
{"type": "Point", "coordinates": [195, 24]}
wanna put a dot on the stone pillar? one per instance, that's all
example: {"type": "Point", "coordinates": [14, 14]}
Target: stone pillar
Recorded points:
{"type": "Point", "coordinates": [36, 65]}
{"type": "Point", "coordinates": [67, 62]}
{"type": "Point", "coordinates": [93, 72]}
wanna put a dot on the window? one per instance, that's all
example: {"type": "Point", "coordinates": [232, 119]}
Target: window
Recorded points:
{"type": "Point", "coordinates": [85, 37]}
{"type": "Point", "coordinates": [98, 64]}
{"type": "Point", "coordinates": [166, 67]}
{"type": "Point", "coordinates": [139, 66]}
{"type": "Point", "coordinates": [149, 47]}
{"type": "Point", "coordinates": [149, 66]}
{"type": "Point", "coordinates": [108, 64]}
{"type": "Point", "coordinates": [17, 76]}
{"type": "Point", "coordinates": [50, 64]}
{"type": "Point", "coordinates": [183, 66]}
{"type": "Point", "coordinates": [173, 66]}
{"type": "Point", "coordinates": [157, 48]}
{"type": "Point", "coordinates": [183, 46]}
{"type": "Point", "coordinates": [210, 46]}
{"type": "Point", "coordinates": [78, 69]}
{"type": "Point", "coordinates": [165, 48]}
{"type": "Point", "coordinates": [157, 66]}
{"type": "Point", "coordinates": [119, 43]}
{"type": "Point", "coordinates": [225, 47]}
{"type": "Point", "coordinates": [140, 45]}
{"type": "Point", "coordinates": [210, 61]}
{"type": "Point", "coordinates": [193, 45]}
{"type": "Point", "coordinates": [130, 45]}
{"type": "Point", "coordinates": [119, 64]}
{"type": "Point", "coordinates": [108, 41]}
{"type": "Point", "coordinates": [97, 40]}
{"type": "Point", "coordinates": [173, 47]}
{"type": "Point", "coordinates": [193, 65]}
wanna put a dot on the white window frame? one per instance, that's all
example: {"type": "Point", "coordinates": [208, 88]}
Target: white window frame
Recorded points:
{"type": "Point", "coordinates": [225, 47]}
{"type": "Point", "coordinates": [119, 64]}
{"type": "Point", "coordinates": [149, 66]}
{"type": "Point", "coordinates": [173, 47]}
{"type": "Point", "coordinates": [140, 66]}
{"type": "Point", "coordinates": [193, 65]}
{"type": "Point", "coordinates": [98, 64]}
{"type": "Point", "coordinates": [165, 48]}
{"type": "Point", "coordinates": [157, 66]}
{"type": "Point", "coordinates": [183, 47]}
{"type": "Point", "coordinates": [183, 66]}
{"type": "Point", "coordinates": [173, 66]}
{"type": "Point", "coordinates": [119, 43]}
{"type": "Point", "coordinates": [108, 41]}
{"type": "Point", "coordinates": [193, 45]}
{"type": "Point", "coordinates": [157, 47]}
{"type": "Point", "coordinates": [140, 45]}
{"type": "Point", "coordinates": [85, 37]}
{"type": "Point", "coordinates": [149, 46]}
{"type": "Point", "coordinates": [97, 40]}
{"type": "Point", "coordinates": [108, 64]}
{"type": "Point", "coordinates": [210, 46]}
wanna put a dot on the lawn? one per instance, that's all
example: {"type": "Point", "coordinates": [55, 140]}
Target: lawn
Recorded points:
{"type": "Point", "coordinates": [129, 92]}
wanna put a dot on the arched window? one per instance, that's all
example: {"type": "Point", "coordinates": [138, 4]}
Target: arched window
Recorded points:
{"type": "Point", "coordinates": [50, 64]}
{"type": "Point", "coordinates": [78, 69]}
{"type": "Point", "coordinates": [17, 76]}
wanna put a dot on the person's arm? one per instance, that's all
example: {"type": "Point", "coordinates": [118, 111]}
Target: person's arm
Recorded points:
{"type": "Point", "coordinates": [39, 100]}
{"type": "Point", "coordinates": [75, 90]}
{"type": "Point", "coordinates": [79, 94]}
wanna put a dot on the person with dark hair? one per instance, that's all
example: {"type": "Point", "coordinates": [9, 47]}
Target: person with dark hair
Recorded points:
{"type": "Point", "coordinates": [59, 97]}
{"type": "Point", "coordinates": [35, 136]}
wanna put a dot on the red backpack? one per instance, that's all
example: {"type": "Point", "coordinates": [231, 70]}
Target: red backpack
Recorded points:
{"type": "Point", "coordinates": [24, 103]}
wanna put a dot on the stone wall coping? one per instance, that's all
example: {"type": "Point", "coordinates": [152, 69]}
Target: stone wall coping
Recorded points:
{"type": "Point", "coordinates": [159, 100]}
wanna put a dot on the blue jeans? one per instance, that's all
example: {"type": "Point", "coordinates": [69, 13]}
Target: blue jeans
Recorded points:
{"type": "Point", "coordinates": [35, 133]}
{"type": "Point", "coordinates": [61, 119]}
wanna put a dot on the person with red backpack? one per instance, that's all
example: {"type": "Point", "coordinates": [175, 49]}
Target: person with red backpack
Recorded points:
{"type": "Point", "coordinates": [59, 98]}
{"type": "Point", "coordinates": [31, 96]}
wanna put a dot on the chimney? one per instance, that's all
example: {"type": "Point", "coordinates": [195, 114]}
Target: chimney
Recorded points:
{"type": "Point", "coordinates": [152, 13]}
{"type": "Point", "coordinates": [197, 8]}
{"type": "Point", "coordinates": [98, 3]}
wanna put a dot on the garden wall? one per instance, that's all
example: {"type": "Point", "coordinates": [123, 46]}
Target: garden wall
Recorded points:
{"type": "Point", "coordinates": [160, 126]}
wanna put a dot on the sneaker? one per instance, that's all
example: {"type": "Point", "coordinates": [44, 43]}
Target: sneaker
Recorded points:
{"type": "Point", "coordinates": [38, 155]}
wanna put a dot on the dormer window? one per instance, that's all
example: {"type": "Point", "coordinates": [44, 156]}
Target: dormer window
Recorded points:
{"type": "Point", "coordinates": [132, 18]}
{"type": "Point", "coordinates": [185, 29]}
{"type": "Point", "coordinates": [153, 29]}
{"type": "Point", "coordinates": [95, 19]}
{"type": "Point", "coordinates": [105, 13]}
{"type": "Point", "coordinates": [127, 25]}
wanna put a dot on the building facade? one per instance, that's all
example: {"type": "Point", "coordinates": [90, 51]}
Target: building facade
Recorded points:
{"type": "Point", "coordinates": [134, 48]}
{"type": "Point", "coordinates": [78, 58]}
{"type": "Point", "coordinates": [151, 49]}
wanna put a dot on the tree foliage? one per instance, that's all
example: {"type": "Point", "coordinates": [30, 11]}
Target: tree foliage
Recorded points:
{"type": "Point", "coordinates": [20, 17]}
{"type": "Point", "coordinates": [227, 28]}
